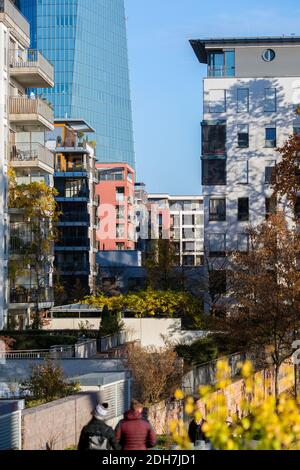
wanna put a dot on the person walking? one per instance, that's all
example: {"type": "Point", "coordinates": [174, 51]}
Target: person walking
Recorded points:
{"type": "Point", "coordinates": [134, 432]}
{"type": "Point", "coordinates": [196, 435]}
{"type": "Point", "coordinates": [97, 435]}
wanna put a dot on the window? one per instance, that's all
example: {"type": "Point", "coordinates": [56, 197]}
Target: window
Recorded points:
{"type": "Point", "coordinates": [243, 100]}
{"type": "Point", "coordinates": [271, 206]}
{"type": "Point", "coordinates": [243, 209]}
{"type": "Point", "coordinates": [243, 242]}
{"type": "Point", "coordinates": [120, 194]}
{"type": "Point", "coordinates": [221, 63]}
{"type": "Point", "coordinates": [217, 210]}
{"type": "Point", "coordinates": [188, 260]}
{"type": "Point", "coordinates": [270, 137]}
{"type": "Point", "coordinates": [270, 172]}
{"type": "Point", "coordinates": [189, 219]}
{"type": "Point", "coordinates": [217, 244]}
{"type": "Point", "coordinates": [217, 101]}
{"type": "Point", "coordinates": [120, 246]}
{"type": "Point", "coordinates": [270, 100]}
{"type": "Point", "coordinates": [120, 212]}
{"type": "Point", "coordinates": [268, 55]}
{"type": "Point", "coordinates": [241, 171]}
{"type": "Point", "coordinates": [175, 220]}
{"type": "Point", "coordinates": [213, 139]}
{"type": "Point", "coordinates": [120, 231]}
{"type": "Point", "coordinates": [76, 188]}
{"type": "Point", "coordinates": [189, 247]}
{"type": "Point", "coordinates": [243, 135]}
{"type": "Point", "coordinates": [214, 172]}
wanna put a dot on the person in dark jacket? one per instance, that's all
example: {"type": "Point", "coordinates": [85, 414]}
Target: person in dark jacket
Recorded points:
{"type": "Point", "coordinates": [134, 432]}
{"type": "Point", "coordinates": [97, 435]}
{"type": "Point", "coordinates": [195, 431]}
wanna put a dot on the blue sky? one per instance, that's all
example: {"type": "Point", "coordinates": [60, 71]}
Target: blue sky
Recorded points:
{"type": "Point", "coordinates": [166, 78]}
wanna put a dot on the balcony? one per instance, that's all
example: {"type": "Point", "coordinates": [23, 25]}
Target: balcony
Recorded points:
{"type": "Point", "coordinates": [73, 268]}
{"type": "Point", "coordinates": [14, 18]}
{"type": "Point", "coordinates": [32, 155]}
{"type": "Point", "coordinates": [221, 71]}
{"type": "Point", "coordinates": [30, 295]}
{"type": "Point", "coordinates": [80, 242]}
{"type": "Point", "coordinates": [31, 69]}
{"type": "Point", "coordinates": [25, 111]}
{"type": "Point", "coordinates": [75, 217]}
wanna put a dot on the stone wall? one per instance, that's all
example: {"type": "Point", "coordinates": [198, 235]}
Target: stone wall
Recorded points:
{"type": "Point", "coordinates": [57, 425]}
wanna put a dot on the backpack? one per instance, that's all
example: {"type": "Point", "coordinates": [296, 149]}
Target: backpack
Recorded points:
{"type": "Point", "coordinates": [97, 442]}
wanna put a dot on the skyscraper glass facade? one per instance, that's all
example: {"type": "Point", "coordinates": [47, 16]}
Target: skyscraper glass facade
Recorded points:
{"type": "Point", "coordinates": [86, 42]}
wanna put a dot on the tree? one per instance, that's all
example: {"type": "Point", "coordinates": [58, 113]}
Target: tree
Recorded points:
{"type": "Point", "coordinates": [47, 382]}
{"type": "Point", "coordinates": [151, 303]}
{"type": "Point", "coordinates": [157, 372]}
{"type": "Point", "coordinates": [38, 207]}
{"type": "Point", "coordinates": [263, 423]}
{"type": "Point", "coordinates": [111, 322]}
{"type": "Point", "coordinates": [265, 286]}
{"type": "Point", "coordinates": [286, 182]}
{"type": "Point", "coordinates": [160, 265]}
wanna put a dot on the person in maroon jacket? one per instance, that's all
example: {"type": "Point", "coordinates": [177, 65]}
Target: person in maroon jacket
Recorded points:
{"type": "Point", "coordinates": [134, 432]}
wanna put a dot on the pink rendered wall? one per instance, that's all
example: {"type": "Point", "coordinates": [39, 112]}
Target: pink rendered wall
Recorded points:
{"type": "Point", "coordinates": [106, 190]}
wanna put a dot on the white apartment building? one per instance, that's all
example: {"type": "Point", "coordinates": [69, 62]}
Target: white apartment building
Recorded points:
{"type": "Point", "coordinates": [251, 91]}
{"type": "Point", "coordinates": [23, 121]}
{"type": "Point", "coordinates": [180, 219]}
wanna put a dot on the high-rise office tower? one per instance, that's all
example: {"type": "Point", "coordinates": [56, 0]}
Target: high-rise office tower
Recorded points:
{"type": "Point", "coordinates": [86, 42]}
{"type": "Point", "coordinates": [251, 92]}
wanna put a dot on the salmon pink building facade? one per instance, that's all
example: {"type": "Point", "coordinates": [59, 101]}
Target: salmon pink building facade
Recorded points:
{"type": "Point", "coordinates": [116, 228]}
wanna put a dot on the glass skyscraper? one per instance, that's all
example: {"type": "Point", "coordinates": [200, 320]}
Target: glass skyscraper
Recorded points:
{"type": "Point", "coordinates": [86, 42]}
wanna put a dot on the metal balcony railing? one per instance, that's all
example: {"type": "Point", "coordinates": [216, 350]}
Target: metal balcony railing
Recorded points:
{"type": "Point", "coordinates": [31, 58]}
{"type": "Point", "coordinates": [30, 106]}
{"type": "Point", "coordinates": [75, 217]}
{"type": "Point", "coordinates": [31, 151]}
{"type": "Point", "coordinates": [7, 7]}
{"type": "Point", "coordinates": [221, 71]}
{"type": "Point", "coordinates": [83, 242]}
{"type": "Point", "coordinates": [28, 294]}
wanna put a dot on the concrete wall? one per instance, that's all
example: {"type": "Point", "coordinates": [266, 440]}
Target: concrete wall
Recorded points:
{"type": "Point", "coordinates": [86, 349]}
{"type": "Point", "coordinates": [149, 331]}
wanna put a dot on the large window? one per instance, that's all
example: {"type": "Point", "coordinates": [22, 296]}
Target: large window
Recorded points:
{"type": "Point", "coordinates": [271, 206]}
{"type": "Point", "coordinates": [189, 247]}
{"type": "Point", "coordinates": [120, 231]}
{"type": "Point", "coordinates": [217, 101]}
{"type": "Point", "coordinates": [243, 209]}
{"type": "Point", "coordinates": [243, 100]}
{"type": "Point", "coordinates": [221, 63]}
{"type": "Point", "coordinates": [270, 100]}
{"type": "Point", "coordinates": [217, 210]}
{"type": "Point", "coordinates": [243, 135]}
{"type": "Point", "coordinates": [217, 244]}
{"type": "Point", "coordinates": [270, 137]}
{"type": "Point", "coordinates": [213, 139]}
{"type": "Point", "coordinates": [120, 212]}
{"type": "Point", "coordinates": [120, 194]}
{"type": "Point", "coordinates": [214, 172]}
{"type": "Point", "coordinates": [270, 172]}
{"type": "Point", "coordinates": [76, 188]}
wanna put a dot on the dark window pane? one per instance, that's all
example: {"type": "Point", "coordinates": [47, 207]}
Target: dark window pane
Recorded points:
{"type": "Point", "coordinates": [214, 172]}
{"type": "Point", "coordinates": [243, 209]}
{"type": "Point", "coordinates": [213, 139]}
{"type": "Point", "coordinates": [217, 209]}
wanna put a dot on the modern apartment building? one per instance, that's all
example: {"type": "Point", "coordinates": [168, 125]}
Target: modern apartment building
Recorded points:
{"type": "Point", "coordinates": [87, 43]}
{"type": "Point", "coordinates": [251, 91]}
{"type": "Point", "coordinates": [23, 122]}
{"type": "Point", "coordinates": [116, 211]}
{"type": "Point", "coordinates": [75, 181]}
{"type": "Point", "coordinates": [176, 218]}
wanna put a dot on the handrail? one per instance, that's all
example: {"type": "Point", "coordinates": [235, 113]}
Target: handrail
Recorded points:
{"type": "Point", "coordinates": [25, 105]}
{"type": "Point", "coordinates": [33, 58]}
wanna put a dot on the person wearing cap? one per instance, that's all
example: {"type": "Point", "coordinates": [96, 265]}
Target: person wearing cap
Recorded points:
{"type": "Point", "coordinates": [97, 435]}
{"type": "Point", "coordinates": [134, 432]}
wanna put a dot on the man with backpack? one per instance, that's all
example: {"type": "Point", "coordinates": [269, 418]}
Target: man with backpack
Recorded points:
{"type": "Point", "coordinates": [97, 435]}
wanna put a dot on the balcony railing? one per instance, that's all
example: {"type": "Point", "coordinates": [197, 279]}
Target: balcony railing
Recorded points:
{"type": "Point", "coordinates": [28, 294]}
{"type": "Point", "coordinates": [72, 268]}
{"type": "Point", "coordinates": [71, 167]}
{"type": "Point", "coordinates": [31, 152]}
{"type": "Point", "coordinates": [75, 217]}
{"type": "Point", "coordinates": [6, 6]}
{"type": "Point", "coordinates": [30, 106]}
{"type": "Point", "coordinates": [83, 242]}
{"type": "Point", "coordinates": [221, 71]}
{"type": "Point", "coordinates": [19, 245]}
{"type": "Point", "coordinates": [30, 59]}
